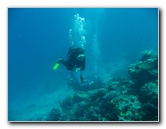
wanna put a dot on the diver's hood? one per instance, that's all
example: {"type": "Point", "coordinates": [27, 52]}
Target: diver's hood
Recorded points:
{"type": "Point", "coordinates": [81, 57]}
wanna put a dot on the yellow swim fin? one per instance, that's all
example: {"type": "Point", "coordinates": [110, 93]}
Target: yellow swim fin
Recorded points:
{"type": "Point", "coordinates": [56, 65]}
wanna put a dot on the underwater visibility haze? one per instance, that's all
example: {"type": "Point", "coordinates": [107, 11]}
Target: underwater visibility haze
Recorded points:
{"type": "Point", "coordinates": [121, 70]}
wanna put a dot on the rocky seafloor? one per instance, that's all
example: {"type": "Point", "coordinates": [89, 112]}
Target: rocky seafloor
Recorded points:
{"type": "Point", "coordinates": [133, 97]}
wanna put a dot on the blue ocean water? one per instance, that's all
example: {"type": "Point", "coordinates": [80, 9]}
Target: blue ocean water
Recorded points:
{"type": "Point", "coordinates": [37, 37]}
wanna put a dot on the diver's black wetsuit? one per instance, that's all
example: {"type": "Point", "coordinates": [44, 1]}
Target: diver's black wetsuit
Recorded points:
{"type": "Point", "coordinates": [72, 61]}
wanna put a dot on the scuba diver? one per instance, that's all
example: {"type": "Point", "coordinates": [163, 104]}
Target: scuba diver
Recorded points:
{"type": "Point", "coordinates": [75, 60]}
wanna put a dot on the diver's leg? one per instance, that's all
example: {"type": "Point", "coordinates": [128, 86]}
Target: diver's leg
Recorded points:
{"type": "Point", "coordinates": [63, 62]}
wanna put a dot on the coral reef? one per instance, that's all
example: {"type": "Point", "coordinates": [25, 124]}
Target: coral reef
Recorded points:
{"type": "Point", "coordinates": [133, 98]}
{"type": "Point", "coordinates": [144, 74]}
{"type": "Point", "coordinates": [145, 70]}
{"type": "Point", "coordinates": [128, 106]}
